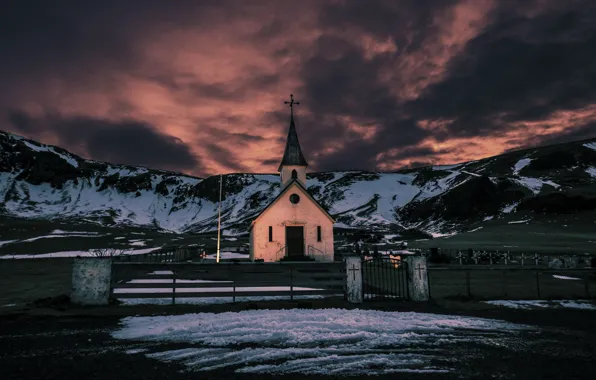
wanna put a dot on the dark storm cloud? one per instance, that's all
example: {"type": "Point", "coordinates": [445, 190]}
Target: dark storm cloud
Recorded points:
{"type": "Point", "coordinates": [125, 142]}
{"type": "Point", "coordinates": [225, 156]}
{"type": "Point", "coordinates": [340, 81]}
{"type": "Point", "coordinates": [519, 68]}
{"type": "Point", "coordinates": [236, 92]}
{"type": "Point", "coordinates": [408, 22]}
{"type": "Point", "coordinates": [78, 38]}
{"type": "Point", "coordinates": [372, 76]}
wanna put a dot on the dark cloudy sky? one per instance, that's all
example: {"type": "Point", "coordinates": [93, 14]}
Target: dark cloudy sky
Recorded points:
{"type": "Point", "coordinates": [198, 86]}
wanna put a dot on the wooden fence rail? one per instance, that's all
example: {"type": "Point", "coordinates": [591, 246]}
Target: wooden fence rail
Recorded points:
{"type": "Point", "coordinates": [197, 280]}
{"type": "Point", "coordinates": [511, 283]}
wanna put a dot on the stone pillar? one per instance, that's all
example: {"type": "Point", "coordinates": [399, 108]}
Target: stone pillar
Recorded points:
{"type": "Point", "coordinates": [417, 278]}
{"type": "Point", "coordinates": [91, 280]}
{"type": "Point", "coordinates": [354, 279]}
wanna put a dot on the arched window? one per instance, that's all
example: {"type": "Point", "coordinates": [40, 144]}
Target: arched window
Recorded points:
{"type": "Point", "coordinates": [294, 174]}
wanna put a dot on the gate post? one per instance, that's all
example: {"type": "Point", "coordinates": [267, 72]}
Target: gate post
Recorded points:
{"type": "Point", "coordinates": [354, 279]}
{"type": "Point", "coordinates": [417, 278]}
{"type": "Point", "coordinates": [91, 281]}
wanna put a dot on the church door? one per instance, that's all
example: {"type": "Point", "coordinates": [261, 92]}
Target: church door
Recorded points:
{"type": "Point", "coordinates": [295, 241]}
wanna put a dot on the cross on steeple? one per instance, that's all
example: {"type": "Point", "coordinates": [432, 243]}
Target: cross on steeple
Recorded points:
{"type": "Point", "coordinates": [291, 103]}
{"type": "Point", "coordinates": [293, 154]}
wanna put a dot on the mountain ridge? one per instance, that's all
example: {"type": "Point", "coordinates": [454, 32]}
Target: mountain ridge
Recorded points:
{"type": "Point", "coordinates": [48, 182]}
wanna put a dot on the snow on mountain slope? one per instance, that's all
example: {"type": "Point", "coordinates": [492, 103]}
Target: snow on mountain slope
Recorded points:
{"type": "Point", "coordinates": [46, 148]}
{"type": "Point", "coordinates": [41, 181]}
{"type": "Point", "coordinates": [519, 165]}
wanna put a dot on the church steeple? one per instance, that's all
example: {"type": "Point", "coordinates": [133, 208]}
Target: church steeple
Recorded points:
{"type": "Point", "coordinates": [293, 164]}
{"type": "Point", "coordinates": [293, 154]}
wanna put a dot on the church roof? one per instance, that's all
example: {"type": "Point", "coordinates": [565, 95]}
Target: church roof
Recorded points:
{"type": "Point", "coordinates": [284, 191]}
{"type": "Point", "coordinates": [293, 154]}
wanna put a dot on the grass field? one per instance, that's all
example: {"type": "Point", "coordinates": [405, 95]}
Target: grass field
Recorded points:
{"type": "Point", "coordinates": [20, 236]}
{"type": "Point", "coordinates": [568, 234]}
{"type": "Point", "coordinates": [563, 234]}
{"type": "Point", "coordinates": [24, 281]}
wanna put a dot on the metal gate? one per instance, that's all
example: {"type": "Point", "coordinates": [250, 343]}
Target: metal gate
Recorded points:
{"type": "Point", "coordinates": [384, 279]}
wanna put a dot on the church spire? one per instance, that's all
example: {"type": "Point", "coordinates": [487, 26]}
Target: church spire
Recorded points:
{"type": "Point", "coordinates": [293, 154]}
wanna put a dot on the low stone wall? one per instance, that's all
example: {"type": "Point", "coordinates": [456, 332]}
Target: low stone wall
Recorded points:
{"type": "Point", "coordinates": [91, 278]}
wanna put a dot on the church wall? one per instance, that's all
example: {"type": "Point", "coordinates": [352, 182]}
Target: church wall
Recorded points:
{"type": "Point", "coordinates": [283, 213]}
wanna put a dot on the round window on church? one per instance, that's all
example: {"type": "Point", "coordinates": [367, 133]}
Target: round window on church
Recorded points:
{"type": "Point", "coordinates": [294, 198]}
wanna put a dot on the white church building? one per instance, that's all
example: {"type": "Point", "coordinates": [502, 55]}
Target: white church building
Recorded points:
{"type": "Point", "coordinates": [294, 224]}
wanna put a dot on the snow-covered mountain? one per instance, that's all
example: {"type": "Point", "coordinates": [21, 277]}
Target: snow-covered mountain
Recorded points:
{"type": "Point", "coordinates": [42, 181]}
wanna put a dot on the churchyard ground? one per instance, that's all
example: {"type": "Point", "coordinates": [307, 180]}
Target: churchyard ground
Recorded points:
{"type": "Point", "coordinates": [321, 338]}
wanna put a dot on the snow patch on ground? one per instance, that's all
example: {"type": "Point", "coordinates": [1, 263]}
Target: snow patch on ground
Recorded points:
{"type": "Point", "coordinates": [591, 171]}
{"type": "Point", "coordinates": [6, 242]}
{"type": "Point", "coordinates": [591, 145]}
{"type": "Point", "coordinates": [212, 300]}
{"type": "Point", "coordinates": [439, 234]}
{"type": "Point", "coordinates": [229, 289]}
{"type": "Point", "coordinates": [316, 342]}
{"type": "Point", "coordinates": [74, 254]}
{"type": "Point", "coordinates": [227, 255]}
{"type": "Point", "coordinates": [135, 351]}
{"type": "Point", "coordinates": [57, 236]}
{"type": "Point", "coordinates": [565, 277]}
{"type": "Point", "coordinates": [518, 221]}
{"type": "Point", "coordinates": [488, 218]}
{"type": "Point", "coordinates": [62, 232]}
{"type": "Point", "coordinates": [584, 305]}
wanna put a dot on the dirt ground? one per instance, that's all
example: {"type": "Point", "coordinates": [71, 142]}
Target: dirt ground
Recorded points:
{"type": "Point", "coordinates": [75, 343]}
{"type": "Point", "coordinates": [55, 340]}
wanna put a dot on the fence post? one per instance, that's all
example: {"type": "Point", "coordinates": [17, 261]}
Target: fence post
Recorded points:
{"type": "Point", "coordinates": [91, 281]}
{"type": "Point", "coordinates": [173, 286]}
{"type": "Point", "coordinates": [418, 278]}
{"type": "Point", "coordinates": [468, 285]}
{"type": "Point", "coordinates": [354, 291]}
{"type": "Point", "coordinates": [538, 284]}
{"type": "Point", "coordinates": [504, 283]}
{"type": "Point", "coordinates": [291, 283]}
{"type": "Point", "coordinates": [233, 275]}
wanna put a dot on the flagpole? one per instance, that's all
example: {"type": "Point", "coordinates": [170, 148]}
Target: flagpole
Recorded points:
{"type": "Point", "coordinates": [219, 221]}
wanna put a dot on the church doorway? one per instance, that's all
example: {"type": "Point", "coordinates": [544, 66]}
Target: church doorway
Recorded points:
{"type": "Point", "coordinates": [295, 241]}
